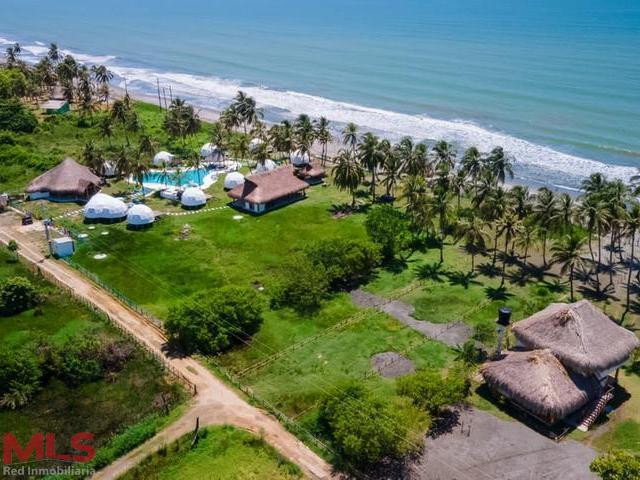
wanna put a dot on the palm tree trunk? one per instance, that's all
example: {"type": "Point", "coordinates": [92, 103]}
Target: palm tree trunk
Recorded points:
{"type": "Point", "coordinates": [544, 249]}
{"type": "Point", "coordinates": [599, 257]}
{"type": "Point", "coordinates": [495, 249]}
{"type": "Point", "coordinates": [571, 282]}
{"type": "Point", "coordinates": [628, 306]}
{"type": "Point", "coordinates": [473, 262]}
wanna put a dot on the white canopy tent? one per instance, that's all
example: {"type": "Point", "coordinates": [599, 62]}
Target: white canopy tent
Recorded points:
{"type": "Point", "coordinates": [103, 206]}
{"type": "Point", "coordinates": [233, 179]}
{"type": "Point", "coordinates": [162, 157]}
{"type": "Point", "coordinates": [193, 197]}
{"type": "Point", "coordinates": [298, 158]}
{"type": "Point", "coordinates": [267, 167]}
{"type": "Point", "coordinates": [140, 215]}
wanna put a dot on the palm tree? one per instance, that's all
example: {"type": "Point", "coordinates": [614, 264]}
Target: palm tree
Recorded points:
{"type": "Point", "coordinates": [102, 77]}
{"type": "Point", "coordinates": [510, 226]}
{"type": "Point", "coordinates": [304, 134]}
{"type": "Point", "coordinates": [92, 158]}
{"type": "Point", "coordinates": [120, 114]}
{"type": "Point", "coordinates": [566, 211]}
{"type": "Point", "coordinates": [138, 168]}
{"type": "Point", "coordinates": [370, 157]}
{"type": "Point", "coordinates": [499, 164]}
{"type": "Point", "coordinates": [493, 209]}
{"type": "Point", "coordinates": [391, 166]}
{"type": "Point", "coordinates": [567, 252]}
{"type": "Point", "coordinates": [545, 212]}
{"type": "Point", "coordinates": [246, 108]}
{"type": "Point", "coordinates": [594, 184]}
{"type": "Point", "coordinates": [123, 162]}
{"type": "Point", "coordinates": [526, 238]}
{"type": "Point", "coordinates": [520, 200]}
{"type": "Point", "coordinates": [230, 118]}
{"type": "Point", "coordinates": [105, 128]}
{"type": "Point", "coordinates": [471, 231]}
{"type": "Point", "coordinates": [458, 186]}
{"type": "Point", "coordinates": [471, 165]}
{"type": "Point", "coordinates": [181, 120]}
{"type": "Point", "coordinates": [350, 136]}
{"type": "Point", "coordinates": [54, 53]}
{"type": "Point", "coordinates": [632, 225]}
{"type": "Point", "coordinates": [444, 154]}
{"type": "Point", "coordinates": [348, 174]}
{"type": "Point", "coordinates": [323, 135]}
{"type": "Point", "coordinates": [281, 137]}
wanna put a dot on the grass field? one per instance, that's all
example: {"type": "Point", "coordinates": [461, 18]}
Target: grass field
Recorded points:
{"type": "Point", "coordinates": [104, 407]}
{"type": "Point", "coordinates": [222, 453]}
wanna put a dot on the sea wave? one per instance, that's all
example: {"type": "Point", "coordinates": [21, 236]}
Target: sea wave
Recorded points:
{"type": "Point", "coordinates": [540, 163]}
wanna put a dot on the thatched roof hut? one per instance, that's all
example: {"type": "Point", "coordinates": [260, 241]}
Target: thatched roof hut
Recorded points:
{"type": "Point", "coordinates": [583, 338]}
{"type": "Point", "coordinates": [537, 381]}
{"type": "Point", "coordinates": [67, 180]}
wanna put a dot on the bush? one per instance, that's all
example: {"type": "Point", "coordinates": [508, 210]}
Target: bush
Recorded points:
{"type": "Point", "coordinates": [432, 392]}
{"type": "Point", "coordinates": [78, 361]}
{"type": "Point", "coordinates": [365, 429]}
{"type": "Point", "coordinates": [388, 228]}
{"type": "Point", "coordinates": [213, 321]}
{"type": "Point", "coordinates": [618, 465]}
{"type": "Point", "coordinates": [345, 262]}
{"type": "Point", "coordinates": [13, 83]}
{"type": "Point", "coordinates": [17, 294]}
{"type": "Point", "coordinates": [16, 118]}
{"type": "Point", "coordinates": [303, 287]}
{"type": "Point", "coordinates": [20, 377]}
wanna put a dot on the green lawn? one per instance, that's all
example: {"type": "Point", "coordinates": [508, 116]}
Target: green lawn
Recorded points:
{"type": "Point", "coordinates": [105, 407]}
{"type": "Point", "coordinates": [222, 453]}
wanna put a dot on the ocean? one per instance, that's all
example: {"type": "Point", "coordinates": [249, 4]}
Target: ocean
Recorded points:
{"type": "Point", "coordinates": [555, 82]}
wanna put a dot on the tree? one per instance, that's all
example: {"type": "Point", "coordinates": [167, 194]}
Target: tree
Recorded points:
{"type": "Point", "coordinates": [348, 174]}
{"type": "Point", "coordinates": [181, 120]}
{"type": "Point", "coordinates": [13, 83]}
{"type": "Point", "coordinates": [545, 211]}
{"type": "Point", "coordinates": [366, 429]}
{"type": "Point", "coordinates": [102, 76]}
{"type": "Point", "coordinates": [20, 377]}
{"type": "Point", "coordinates": [389, 228]}
{"type": "Point", "coordinates": [303, 286]}
{"type": "Point", "coordinates": [105, 128]}
{"type": "Point", "coordinates": [568, 253]}
{"type": "Point", "coordinates": [509, 226]}
{"type": "Point", "coordinates": [17, 294]}
{"type": "Point", "coordinates": [16, 118]}
{"type": "Point", "coordinates": [471, 165]}
{"type": "Point", "coordinates": [445, 155]}
{"type": "Point", "coordinates": [472, 232]}
{"type": "Point", "coordinates": [632, 225]}
{"type": "Point", "coordinates": [499, 164]}
{"type": "Point", "coordinates": [247, 111]}
{"type": "Point", "coordinates": [304, 134]}
{"type": "Point", "coordinates": [617, 465]}
{"type": "Point", "coordinates": [432, 392]}
{"type": "Point", "coordinates": [392, 165]}
{"type": "Point", "coordinates": [594, 215]}
{"type": "Point", "coordinates": [54, 53]}
{"type": "Point", "coordinates": [211, 322]}
{"type": "Point", "coordinates": [350, 136]}
{"type": "Point", "coordinates": [323, 135]}
{"type": "Point", "coordinates": [370, 157]}
{"type": "Point", "coordinates": [12, 246]}
{"type": "Point", "coordinates": [77, 360]}
{"type": "Point", "coordinates": [92, 157]}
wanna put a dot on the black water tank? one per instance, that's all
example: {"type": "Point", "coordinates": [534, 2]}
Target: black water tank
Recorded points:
{"type": "Point", "coordinates": [504, 316]}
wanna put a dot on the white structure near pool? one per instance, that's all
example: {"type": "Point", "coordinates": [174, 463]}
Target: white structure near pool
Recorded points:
{"type": "Point", "coordinates": [232, 179]}
{"type": "Point", "coordinates": [193, 197]}
{"type": "Point", "coordinates": [212, 153]}
{"type": "Point", "coordinates": [140, 215]}
{"type": "Point", "coordinates": [104, 207]}
{"type": "Point", "coordinates": [161, 158]}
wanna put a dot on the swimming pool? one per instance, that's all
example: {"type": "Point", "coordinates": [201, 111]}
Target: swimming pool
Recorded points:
{"type": "Point", "coordinates": [200, 176]}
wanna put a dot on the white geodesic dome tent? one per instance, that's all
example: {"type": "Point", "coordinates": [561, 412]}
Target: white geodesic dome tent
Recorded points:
{"type": "Point", "coordinates": [139, 215]}
{"type": "Point", "coordinates": [255, 143]}
{"type": "Point", "coordinates": [109, 169]}
{"type": "Point", "coordinates": [212, 153]}
{"type": "Point", "coordinates": [103, 206]}
{"type": "Point", "coordinates": [233, 179]}
{"type": "Point", "coordinates": [267, 167]}
{"type": "Point", "coordinates": [162, 157]}
{"type": "Point", "coordinates": [298, 158]}
{"type": "Point", "coordinates": [193, 197]}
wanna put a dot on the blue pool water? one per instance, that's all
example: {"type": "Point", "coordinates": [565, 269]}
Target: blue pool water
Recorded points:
{"type": "Point", "coordinates": [556, 82]}
{"type": "Point", "coordinates": [187, 177]}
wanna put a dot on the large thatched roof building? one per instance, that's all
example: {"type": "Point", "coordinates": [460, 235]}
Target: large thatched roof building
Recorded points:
{"type": "Point", "coordinates": [583, 338]}
{"type": "Point", "coordinates": [539, 383]}
{"type": "Point", "coordinates": [68, 181]}
{"type": "Point", "coordinates": [265, 191]}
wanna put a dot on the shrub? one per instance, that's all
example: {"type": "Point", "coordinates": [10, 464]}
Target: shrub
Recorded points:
{"type": "Point", "coordinates": [366, 429]}
{"type": "Point", "coordinates": [78, 360]}
{"type": "Point", "coordinates": [346, 262]}
{"type": "Point", "coordinates": [618, 465]}
{"type": "Point", "coordinates": [213, 321]}
{"type": "Point", "coordinates": [113, 355]}
{"type": "Point", "coordinates": [388, 228]}
{"type": "Point", "coordinates": [16, 118]}
{"type": "Point", "coordinates": [17, 294]}
{"type": "Point", "coordinates": [303, 286]}
{"type": "Point", "coordinates": [20, 377]}
{"type": "Point", "coordinates": [431, 391]}
{"type": "Point", "coordinates": [13, 83]}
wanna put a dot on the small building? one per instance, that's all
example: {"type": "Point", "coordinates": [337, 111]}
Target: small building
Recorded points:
{"type": "Point", "coordinates": [140, 216]}
{"type": "Point", "coordinates": [67, 182]}
{"type": "Point", "coordinates": [562, 362]}
{"type": "Point", "coordinates": [311, 173]}
{"type": "Point", "coordinates": [103, 207]}
{"type": "Point", "coordinates": [163, 158]}
{"type": "Point", "coordinates": [62, 247]}
{"type": "Point", "coordinates": [193, 198]}
{"type": "Point", "coordinates": [232, 180]}
{"type": "Point", "coordinates": [55, 107]}
{"type": "Point", "coordinates": [266, 191]}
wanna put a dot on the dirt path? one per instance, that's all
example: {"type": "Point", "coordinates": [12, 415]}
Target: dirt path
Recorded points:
{"type": "Point", "coordinates": [453, 334]}
{"type": "Point", "coordinates": [215, 402]}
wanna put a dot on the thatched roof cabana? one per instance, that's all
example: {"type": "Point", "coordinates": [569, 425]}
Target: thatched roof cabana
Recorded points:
{"type": "Point", "coordinates": [537, 381]}
{"type": "Point", "coordinates": [68, 179]}
{"type": "Point", "coordinates": [269, 186]}
{"type": "Point", "coordinates": [583, 338]}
